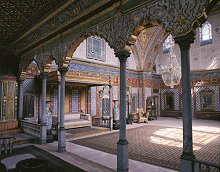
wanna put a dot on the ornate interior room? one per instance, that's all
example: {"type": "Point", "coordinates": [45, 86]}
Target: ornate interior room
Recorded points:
{"type": "Point", "coordinates": [70, 64]}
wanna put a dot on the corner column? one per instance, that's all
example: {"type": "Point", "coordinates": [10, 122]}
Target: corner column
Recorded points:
{"type": "Point", "coordinates": [21, 99]}
{"type": "Point", "coordinates": [43, 127]}
{"type": "Point", "coordinates": [110, 105]}
{"type": "Point", "coordinates": [62, 131]}
{"type": "Point", "coordinates": [122, 145]}
{"type": "Point", "coordinates": [184, 43]}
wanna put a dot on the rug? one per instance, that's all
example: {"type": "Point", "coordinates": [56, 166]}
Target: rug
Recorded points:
{"type": "Point", "coordinates": [156, 145]}
{"type": "Point", "coordinates": [55, 164]}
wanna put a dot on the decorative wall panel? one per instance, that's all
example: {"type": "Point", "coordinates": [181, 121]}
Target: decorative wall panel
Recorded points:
{"type": "Point", "coordinates": [134, 99]}
{"type": "Point", "coordinates": [55, 101]}
{"type": "Point", "coordinates": [176, 98]}
{"type": "Point", "coordinates": [75, 100]}
{"type": "Point", "coordinates": [29, 86]}
{"type": "Point", "coordinates": [140, 97]}
{"type": "Point", "coordinates": [93, 101]}
{"type": "Point", "coordinates": [15, 100]}
{"type": "Point", "coordinates": [115, 93]}
{"type": "Point", "coordinates": [147, 92]}
{"type": "Point", "coordinates": [10, 100]}
{"type": "Point", "coordinates": [215, 90]}
{"type": "Point", "coordinates": [5, 94]}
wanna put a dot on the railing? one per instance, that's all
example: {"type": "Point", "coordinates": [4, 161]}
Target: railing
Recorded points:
{"type": "Point", "coordinates": [31, 128]}
{"type": "Point", "coordinates": [201, 166]}
{"type": "Point", "coordinates": [102, 122]}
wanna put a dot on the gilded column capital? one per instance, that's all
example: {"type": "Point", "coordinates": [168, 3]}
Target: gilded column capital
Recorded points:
{"type": "Point", "coordinates": [122, 55]}
{"type": "Point", "coordinates": [63, 70]}
{"type": "Point", "coordinates": [185, 41]}
{"type": "Point", "coordinates": [43, 75]}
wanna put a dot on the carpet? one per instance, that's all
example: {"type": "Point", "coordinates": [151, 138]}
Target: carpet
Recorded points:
{"type": "Point", "coordinates": [85, 131]}
{"type": "Point", "coordinates": [55, 164]}
{"type": "Point", "coordinates": [156, 145]}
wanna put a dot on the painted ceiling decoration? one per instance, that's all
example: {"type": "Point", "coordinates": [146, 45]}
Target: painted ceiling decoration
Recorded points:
{"type": "Point", "coordinates": [61, 28]}
{"type": "Point", "coordinates": [15, 13]}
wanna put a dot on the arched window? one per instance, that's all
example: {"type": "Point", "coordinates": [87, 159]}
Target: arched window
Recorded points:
{"type": "Point", "coordinates": [206, 34]}
{"type": "Point", "coordinates": [167, 44]}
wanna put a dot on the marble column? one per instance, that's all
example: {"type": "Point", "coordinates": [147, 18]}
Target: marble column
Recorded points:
{"type": "Point", "coordinates": [110, 106]}
{"type": "Point", "coordinates": [58, 106]}
{"type": "Point", "coordinates": [184, 43]}
{"type": "Point", "coordinates": [43, 127]}
{"type": "Point", "coordinates": [39, 106]}
{"type": "Point", "coordinates": [21, 100]}
{"type": "Point", "coordinates": [62, 131]}
{"type": "Point", "coordinates": [122, 145]}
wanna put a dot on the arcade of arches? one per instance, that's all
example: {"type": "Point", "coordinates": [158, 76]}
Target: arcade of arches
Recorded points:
{"type": "Point", "coordinates": [81, 56]}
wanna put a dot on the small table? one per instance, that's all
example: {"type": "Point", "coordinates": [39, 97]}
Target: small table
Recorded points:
{"type": "Point", "coordinates": [7, 143]}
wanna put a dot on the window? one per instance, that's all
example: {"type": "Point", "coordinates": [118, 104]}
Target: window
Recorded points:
{"type": "Point", "coordinates": [169, 101]}
{"type": "Point", "coordinates": [167, 44]}
{"type": "Point", "coordinates": [75, 100]}
{"type": "Point", "coordinates": [206, 34]}
{"type": "Point", "coordinates": [207, 100]}
{"type": "Point", "coordinates": [96, 48]}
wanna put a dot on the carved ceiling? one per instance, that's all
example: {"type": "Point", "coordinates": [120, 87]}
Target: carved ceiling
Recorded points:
{"type": "Point", "coordinates": [14, 14]}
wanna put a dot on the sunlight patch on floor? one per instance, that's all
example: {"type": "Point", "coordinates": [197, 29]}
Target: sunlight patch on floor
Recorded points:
{"type": "Point", "coordinates": [174, 137]}
{"type": "Point", "coordinates": [207, 129]}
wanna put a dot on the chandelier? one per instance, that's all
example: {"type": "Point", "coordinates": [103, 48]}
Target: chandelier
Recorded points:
{"type": "Point", "coordinates": [171, 71]}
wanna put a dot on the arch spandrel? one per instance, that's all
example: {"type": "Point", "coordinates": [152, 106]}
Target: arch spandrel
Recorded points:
{"type": "Point", "coordinates": [177, 17]}
{"type": "Point", "coordinates": [23, 66]}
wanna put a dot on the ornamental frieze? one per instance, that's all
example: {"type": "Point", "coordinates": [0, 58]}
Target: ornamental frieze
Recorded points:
{"type": "Point", "coordinates": [176, 17]}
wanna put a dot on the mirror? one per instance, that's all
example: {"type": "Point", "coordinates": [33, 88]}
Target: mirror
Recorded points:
{"type": "Point", "coordinates": [207, 102]}
{"type": "Point", "coordinates": [169, 101]}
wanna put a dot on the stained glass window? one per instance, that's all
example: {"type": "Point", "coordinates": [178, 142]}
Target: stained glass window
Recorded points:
{"type": "Point", "coordinates": [206, 34]}
{"type": "Point", "coordinates": [167, 44]}
{"type": "Point", "coordinates": [96, 48]}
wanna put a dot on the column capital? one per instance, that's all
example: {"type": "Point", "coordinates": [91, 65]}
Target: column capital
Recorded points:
{"type": "Point", "coordinates": [63, 70]}
{"type": "Point", "coordinates": [43, 75]}
{"type": "Point", "coordinates": [122, 55]}
{"type": "Point", "coordinates": [185, 41]}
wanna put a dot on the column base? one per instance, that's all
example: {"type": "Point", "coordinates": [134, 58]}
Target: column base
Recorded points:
{"type": "Point", "coordinates": [122, 156]}
{"type": "Point", "coordinates": [186, 163]}
{"type": "Point", "coordinates": [61, 140]}
{"type": "Point", "coordinates": [43, 133]}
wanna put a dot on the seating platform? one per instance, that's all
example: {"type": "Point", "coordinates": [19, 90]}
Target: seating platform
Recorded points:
{"type": "Point", "coordinates": [75, 120]}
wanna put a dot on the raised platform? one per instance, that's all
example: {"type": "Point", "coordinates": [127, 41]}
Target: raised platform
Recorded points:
{"type": "Point", "coordinates": [75, 120]}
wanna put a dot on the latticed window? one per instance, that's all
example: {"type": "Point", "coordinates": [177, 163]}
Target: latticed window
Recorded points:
{"type": "Point", "coordinates": [96, 48]}
{"type": "Point", "coordinates": [206, 34]}
{"type": "Point", "coordinates": [167, 44]}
